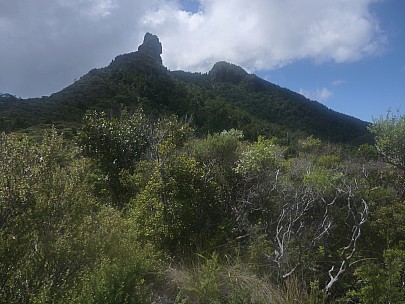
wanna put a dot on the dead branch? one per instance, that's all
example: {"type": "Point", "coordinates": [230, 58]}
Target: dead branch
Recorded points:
{"type": "Point", "coordinates": [359, 218]}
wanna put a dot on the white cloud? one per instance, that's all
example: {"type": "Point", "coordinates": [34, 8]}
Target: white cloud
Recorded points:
{"type": "Point", "coordinates": [305, 93]}
{"type": "Point", "coordinates": [45, 46]}
{"type": "Point", "coordinates": [264, 34]}
{"type": "Point", "coordinates": [321, 95]}
{"type": "Point", "coordinates": [338, 82]}
{"type": "Point", "coordinates": [91, 8]}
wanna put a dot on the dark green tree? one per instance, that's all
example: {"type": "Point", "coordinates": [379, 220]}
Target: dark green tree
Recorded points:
{"type": "Point", "coordinates": [116, 143]}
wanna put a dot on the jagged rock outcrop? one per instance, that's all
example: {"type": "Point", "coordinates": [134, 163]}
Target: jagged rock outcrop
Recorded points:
{"type": "Point", "coordinates": [145, 61]}
{"type": "Point", "coordinates": [151, 46]}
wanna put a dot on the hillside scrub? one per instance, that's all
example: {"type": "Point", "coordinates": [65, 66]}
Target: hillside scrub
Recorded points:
{"type": "Point", "coordinates": [135, 209]}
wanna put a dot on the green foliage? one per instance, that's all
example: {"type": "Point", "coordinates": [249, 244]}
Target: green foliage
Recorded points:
{"type": "Point", "coordinates": [381, 283]}
{"type": "Point", "coordinates": [322, 179]}
{"type": "Point", "coordinates": [43, 193]}
{"type": "Point", "coordinates": [367, 151]}
{"type": "Point", "coordinates": [219, 148]}
{"type": "Point", "coordinates": [123, 271]}
{"type": "Point", "coordinates": [262, 156]}
{"type": "Point", "coordinates": [145, 211]}
{"type": "Point", "coordinates": [54, 235]}
{"type": "Point", "coordinates": [115, 143]}
{"type": "Point", "coordinates": [389, 223]}
{"type": "Point", "coordinates": [258, 170]}
{"type": "Point", "coordinates": [172, 210]}
{"type": "Point", "coordinates": [317, 295]}
{"type": "Point", "coordinates": [218, 154]}
{"type": "Point", "coordinates": [310, 144]}
{"type": "Point", "coordinates": [328, 161]}
{"type": "Point", "coordinates": [389, 135]}
{"type": "Point", "coordinates": [177, 207]}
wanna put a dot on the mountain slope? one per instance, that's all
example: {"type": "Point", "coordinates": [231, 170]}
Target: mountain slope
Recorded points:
{"type": "Point", "coordinates": [279, 106]}
{"type": "Point", "coordinates": [226, 97]}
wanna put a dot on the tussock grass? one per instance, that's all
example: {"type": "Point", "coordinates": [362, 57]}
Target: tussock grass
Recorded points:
{"type": "Point", "coordinates": [214, 281]}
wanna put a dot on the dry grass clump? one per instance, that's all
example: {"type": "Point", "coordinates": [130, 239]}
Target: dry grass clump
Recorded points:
{"type": "Point", "coordinates": [214, 282]}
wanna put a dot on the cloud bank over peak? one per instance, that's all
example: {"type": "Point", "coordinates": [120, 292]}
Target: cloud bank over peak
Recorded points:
{"type": "Point", "coordinates": [265, 34]}
{"type": "Point", "coordinates": [47, 45]}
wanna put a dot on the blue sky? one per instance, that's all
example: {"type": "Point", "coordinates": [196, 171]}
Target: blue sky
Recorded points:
{"type": "Point", "coordinates": [366, 88]}
{"type": "Point", "coordinates": [347, 54]}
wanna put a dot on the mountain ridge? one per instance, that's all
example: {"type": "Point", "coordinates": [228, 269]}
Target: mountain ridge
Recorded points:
{"type": "Point", "coordinates": [226, 97]}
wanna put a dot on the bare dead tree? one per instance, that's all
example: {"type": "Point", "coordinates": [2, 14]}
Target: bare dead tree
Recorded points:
{"type": "Point", "coordinates": [358, 213]}
{"type": "Point", "coordinates": [253, 195]}
{"type": "Point", "coordinates": [304, 214]}
{"type": "Point", "coordinates": [304, 221]}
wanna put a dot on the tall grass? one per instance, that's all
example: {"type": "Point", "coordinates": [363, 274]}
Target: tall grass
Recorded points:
{"type": "Point", "coordinates": [211, 280]}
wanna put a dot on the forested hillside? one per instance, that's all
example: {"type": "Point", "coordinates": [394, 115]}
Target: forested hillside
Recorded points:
{"type": "Point", "coordinates": [226, 97]}
{"type": "Point", "coordinates": [140, 185]}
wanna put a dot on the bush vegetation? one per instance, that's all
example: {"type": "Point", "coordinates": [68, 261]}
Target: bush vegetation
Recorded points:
{"type": "Point", "coordinates": [133, 208]}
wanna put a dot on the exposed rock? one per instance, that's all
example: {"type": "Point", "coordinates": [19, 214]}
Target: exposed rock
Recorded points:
{"type": "Point", "coordinates": [151, 46]}
{"type": "Point", "coordinates": [226, 72]}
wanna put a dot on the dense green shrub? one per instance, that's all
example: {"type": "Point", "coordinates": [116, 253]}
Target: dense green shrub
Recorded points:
{"type": "Point", "coordinates": [143, 211]}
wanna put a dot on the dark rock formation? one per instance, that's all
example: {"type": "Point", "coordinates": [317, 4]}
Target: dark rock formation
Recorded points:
{"type": "Point", "coordinates": [151, 46]}
{"type": "Point", "coordinates": [226, 72]}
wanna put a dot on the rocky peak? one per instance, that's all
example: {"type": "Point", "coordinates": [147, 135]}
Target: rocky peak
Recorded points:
{"type": "Point", "coordinates": [151, 46]}
{"type": "Point", "coordinates": [227, 72]}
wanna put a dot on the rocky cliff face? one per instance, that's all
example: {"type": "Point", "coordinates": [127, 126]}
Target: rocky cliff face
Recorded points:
{"type": "Point", "coordinates": [151, 46]}
{"type": "Point", "coordinates": [145, 61]}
